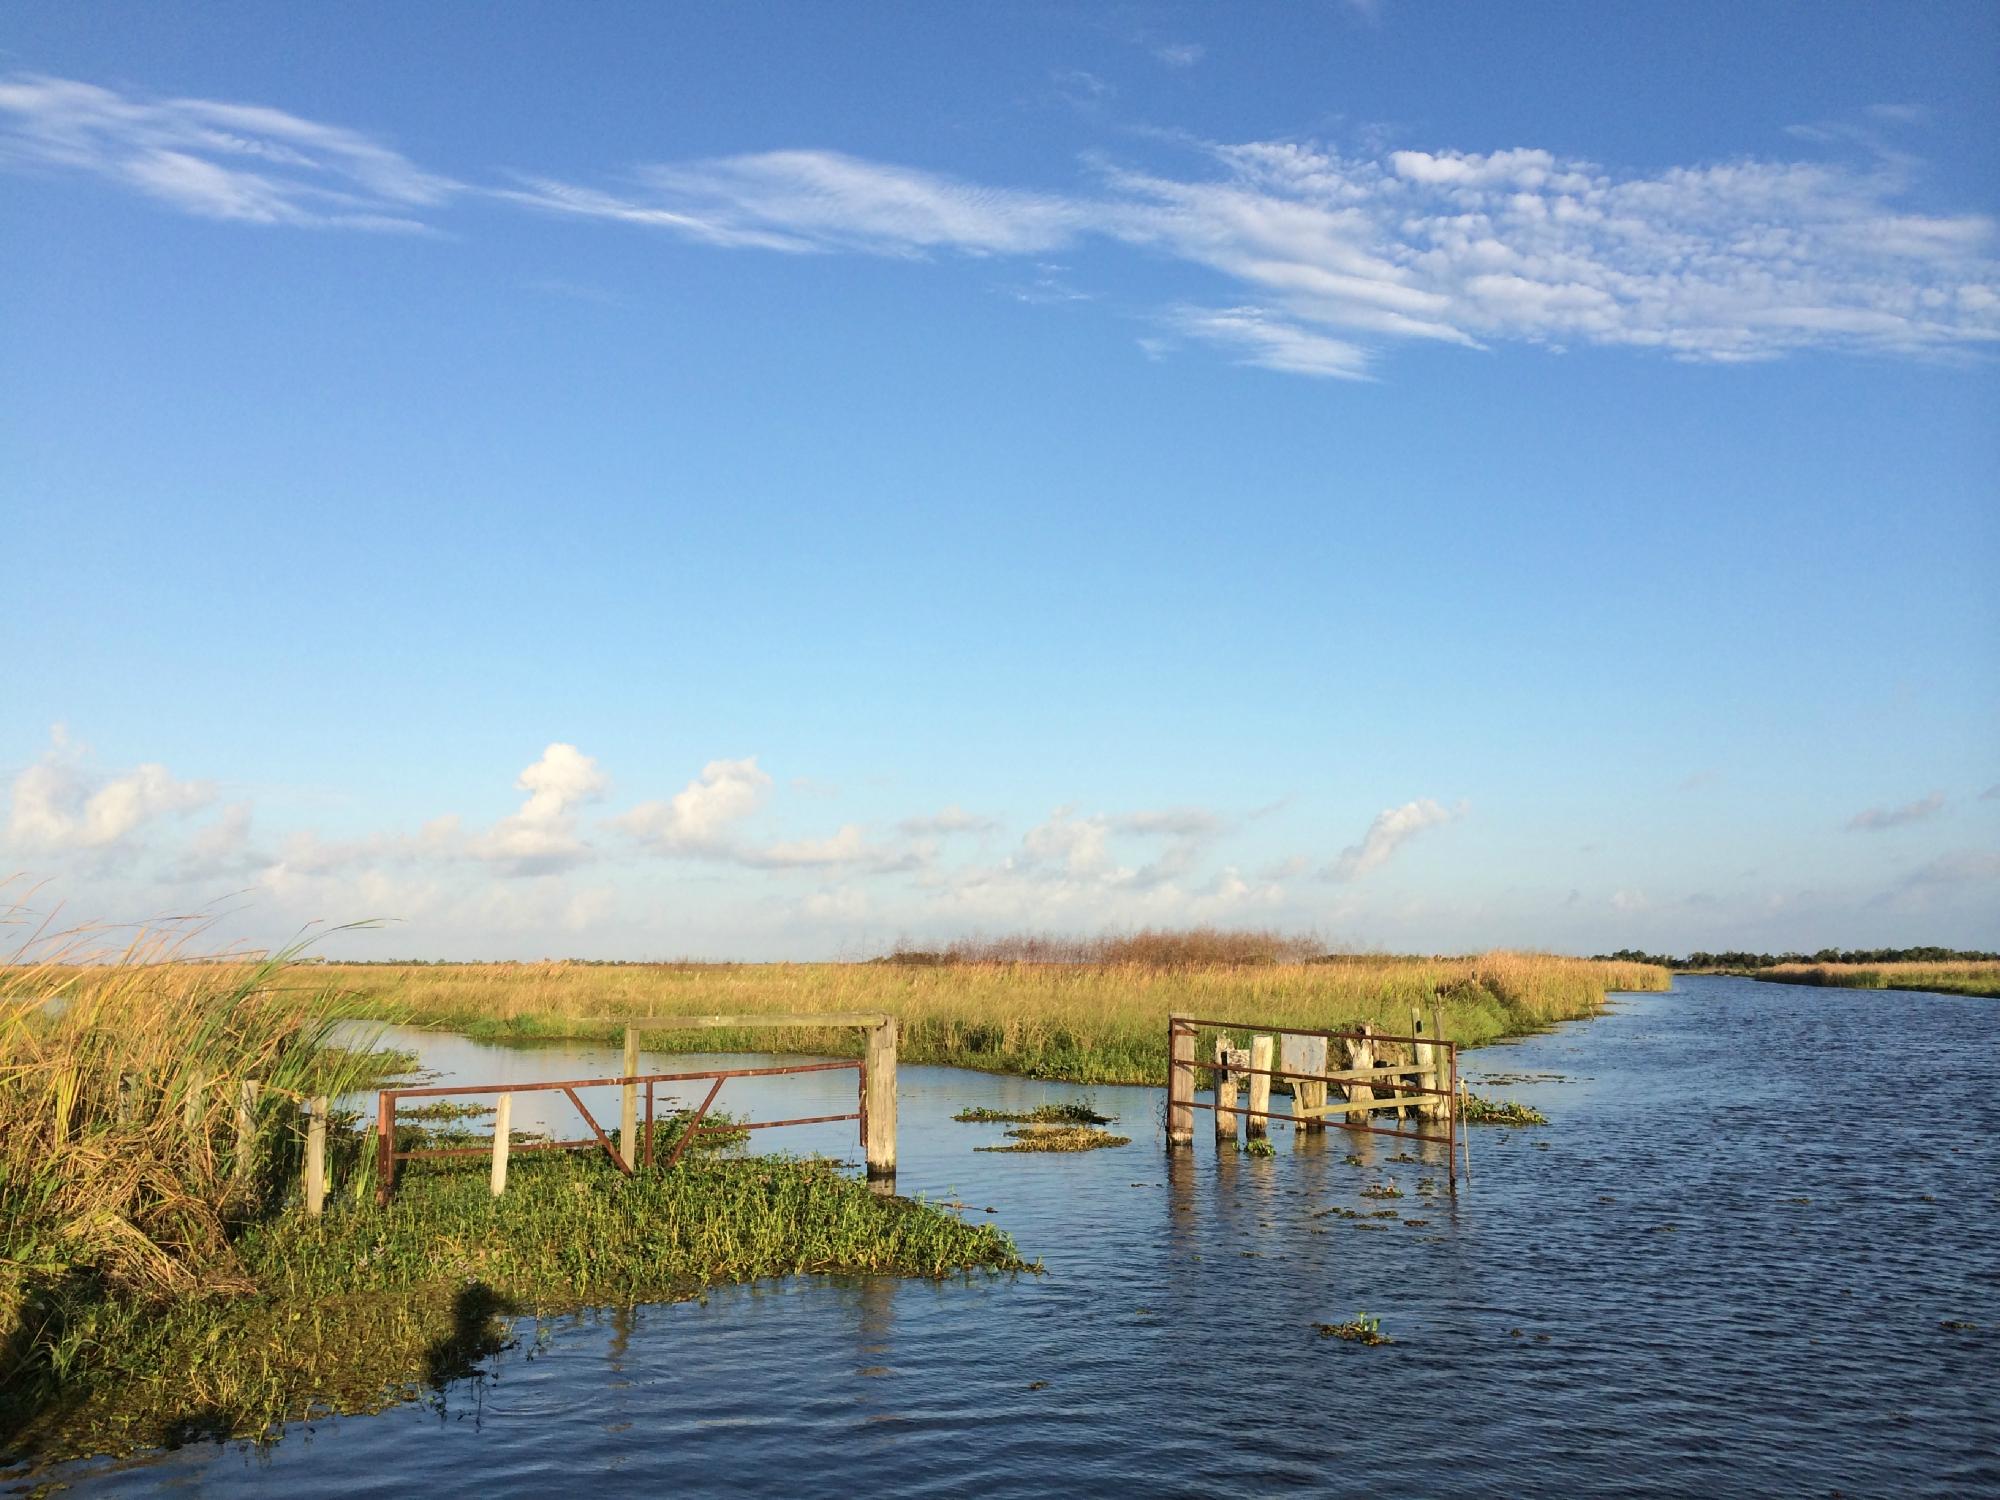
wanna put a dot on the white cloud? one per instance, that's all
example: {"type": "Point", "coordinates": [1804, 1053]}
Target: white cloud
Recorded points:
{"type": "Point", "coordinates": [1875, 819]}
{"type": "Point", "coordinates": [947, 820]}
{"type": "Point", "coordinates": [1180, 54]}
{"type": "Point", "coordinates": [59, 803]}
{"type": "Point", "coordinates": [1323, 256]}
{"type": "Point", "coordinates": [1393, 827]}
{"type": "Point", "coordinates": [213, 159]}
{"type": "Point", "coordinates": [542, 837]}
{"type": "Point", "coordinates": [702, 814]}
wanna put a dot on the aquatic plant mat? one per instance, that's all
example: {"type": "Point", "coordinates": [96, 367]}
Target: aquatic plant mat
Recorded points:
{"type": "Point", "coordinates": [366, 1306]}
{"type": "Point", "coordinates": [1043, 1114]}
{"type": "Point", "coordinates": [1059, 1138]}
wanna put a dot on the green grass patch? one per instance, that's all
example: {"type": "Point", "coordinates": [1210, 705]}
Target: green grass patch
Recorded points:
{"type": "Point", "coordinates": [1480, 1111]}
{"type": "Point", "coordinates": [1045, 1114]}
{"type": "Point", "coordinates": [366, 1306]}
{"type": "Point", "coordinates": [1059, 1138]}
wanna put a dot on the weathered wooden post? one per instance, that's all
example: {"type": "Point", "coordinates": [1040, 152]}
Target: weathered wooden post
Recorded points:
{"type": "Point", "coordinates": [316, 1111]}
{"type": "Point", "coordinates": [1225, 1089]}
{"type": "Point", "coordinates": [246, 1128]}
{"type": "Point", "coordinates": [880, 1113]}
{"type": "Point", "coordinates": [1180, 1084]}
{"type": "Point", "coordinates": [1441, 1079]}
{"type": "Point", "coordinates": [385, 1147]}
{"type": "Point", "coordinates": [628, 1104]}
{"type": "Point", "coordinates": [1358, 1052]}
{"type": "Point", "coordinates": [191, 1105]}
{"type": "Point", "coordinates": [503, 1120]}
{"type": "Point", "coordinates": [1257, 1122]}
{"type": "Point", "coordinates": [1305, 1054]}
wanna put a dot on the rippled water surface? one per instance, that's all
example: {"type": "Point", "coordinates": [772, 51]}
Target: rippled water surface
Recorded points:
{"type": "Point", "coordinates": [1722, 1271]}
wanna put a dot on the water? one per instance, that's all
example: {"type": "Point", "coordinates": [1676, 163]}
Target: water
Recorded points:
{"type": "Point", "coordinates": [1725, 1274]}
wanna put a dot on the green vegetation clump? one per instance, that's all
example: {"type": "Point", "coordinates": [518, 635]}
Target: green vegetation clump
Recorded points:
{"type": "Point", "coordinates": [159, 1280]}
{"type": "Point", "coordinates": [1059, 1138]}
{"type": "Point", "coordinates": [1360, 1329]}
{"type": "Point", "coordinates": [1043, 1114]}
{"type": "Point", "coordinates": [1479, 1111]}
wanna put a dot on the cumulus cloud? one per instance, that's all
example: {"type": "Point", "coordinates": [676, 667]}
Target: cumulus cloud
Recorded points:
{"type": "Point", "coordinates": [700, 817]}
{"type": "Point", "coordinates": [1393, 827]}
{"type": "Point", "coordinates": [1875, 819]}
{"type": "Point", "coordinates": [214, 159]}
{"type": "Point", "coordinates": [59, 803]}
{"type": "Point", "coordinates": [542, 837]}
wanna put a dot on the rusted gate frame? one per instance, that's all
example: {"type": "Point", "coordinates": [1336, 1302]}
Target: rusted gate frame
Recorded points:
{"type": "Point", "coordinates": [387, 1156]}
{"type": "Point", "coordinates": [1192, 1024]}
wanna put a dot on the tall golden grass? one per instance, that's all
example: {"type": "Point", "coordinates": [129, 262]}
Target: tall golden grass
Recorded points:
{"type": "Point", "coordinates": [1093, 1023]}
{"type": "Point", "coordinates": [120, 1062]}
{"type": "Point", "coordinates": [1960, 977]}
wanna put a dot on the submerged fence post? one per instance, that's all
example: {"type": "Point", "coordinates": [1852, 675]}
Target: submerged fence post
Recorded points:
{"type": "Point", "coordinates": [385, 1147]}
{"type": "Point", "coordinates": [1305, 1054]}
{"type": "Point", "coordinates": [880, 1087]}
{"type": "Point", "coordinates": [1225, 1088]}
{"type": "Point", "coordinates": [316, 1110]}
{"type": "Point", "coordinates": [628, 1105]}
{"type": "Point", "coordinates": [1256, 1123]}
{"type": "Point", "coordinates": [503, 1120]}
{"type": "Point", "coordinates": [1180, 1084]}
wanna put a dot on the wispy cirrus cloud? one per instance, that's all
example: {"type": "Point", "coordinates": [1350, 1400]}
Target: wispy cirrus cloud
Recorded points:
{"type": "Point", "coordinates": [1392, 828]}
{"type": "Point", "coordinates": [216, 159]}
{"type": "Point", "coordinates": [1875, 819]}
{"type": "Point", "coordinates": [1320, 257]}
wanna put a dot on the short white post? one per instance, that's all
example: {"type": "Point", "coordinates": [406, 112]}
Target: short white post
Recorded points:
{"type": "Point", "coordinates": [879, 1101]}
{"type": "Point", "coordinates": [316, 1110]}
{"type": "Point", "coordinates": [246, 1128]}
{"type": "Point", "coordinates": [503, 1120]}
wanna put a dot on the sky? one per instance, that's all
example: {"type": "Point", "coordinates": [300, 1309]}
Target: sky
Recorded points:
{"type": "Point", "coordinates": [781, 481]}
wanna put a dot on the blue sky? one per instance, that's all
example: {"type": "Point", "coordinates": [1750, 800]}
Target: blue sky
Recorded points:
{"type": "Point", "coordinates": [770, 481]}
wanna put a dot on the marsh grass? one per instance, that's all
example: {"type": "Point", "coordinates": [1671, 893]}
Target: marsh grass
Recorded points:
{"type": "Point", "coordinates": [1082, 1022]}
{"type": "Point", "coordinates": [1071, 1113]}
{"type": "Point", "coordinates": [1963, 977]}
{"type": "Point", "coordinates": [158, 1284]}
{"type": "Point", "coordinates": [1059, 1138]}
{"type": "Point", "coordinates": [1483, 1111]}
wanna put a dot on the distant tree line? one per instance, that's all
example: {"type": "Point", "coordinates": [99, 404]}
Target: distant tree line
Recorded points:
{"type": "Point", "coordinates": [1735, 959]}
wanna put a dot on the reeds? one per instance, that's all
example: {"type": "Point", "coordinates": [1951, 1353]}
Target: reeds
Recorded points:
{"type": "Point", "coordinates": [1962, 977]}
{"type": "Point", "coordinates": [1085, 1022]}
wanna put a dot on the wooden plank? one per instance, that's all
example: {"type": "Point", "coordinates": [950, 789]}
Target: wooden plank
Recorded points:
{"type": "Point", "coordinates": [868, 1019]}
{"type": "Point", "coordinates": [503, 1129]}
{"type": "Point", "coordinates": [1180, 1085]}
{"type": "Point", "coordinates": [879, 1106]}
{"type": "Point", "coordinates": [1304, 1054]}
{"type": "Point", "coordinates": [1349, 1106]}
{"type": "Point", "coordinates": [1261, 1048]}
{"type": "Point", "coordinates": [316, 1156]}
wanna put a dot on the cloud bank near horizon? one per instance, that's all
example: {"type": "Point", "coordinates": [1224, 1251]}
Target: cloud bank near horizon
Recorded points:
{"type": "Point", "coordinates": [1302, 257]}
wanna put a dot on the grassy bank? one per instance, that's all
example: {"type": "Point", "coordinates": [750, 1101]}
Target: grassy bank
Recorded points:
{"type": "Point", "coordinates": [1966, 977]}
{"type": "Point", "coordinates": [1089, 1023]}
{"type": "Point", "coordinates": [159, 1281]}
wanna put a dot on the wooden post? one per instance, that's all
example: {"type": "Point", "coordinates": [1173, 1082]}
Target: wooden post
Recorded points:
{"type": "Point", "coordinates": [1180, 1085]}
{"type": "Point", "coordinates": [125, 1091]}
{"type": "Point", "coordinates": [880, 1115]}
{"type": "Point", "coordinates": [316, 1109]}
{"type": "Point", "coordinates": [1225, 1090]}
{"type": "Point", "coordinates": [1305, 1054]}
{"type": "Point", "coordinates": [385, 1147]}
{"type": "Point", "coordinates": [628, 1105]}
{"type": "Point", "coordinates": [246, 1128]}
{"type": "Point", "coordinates": [503, 1121]}
{"type": "Point", "coordinates": [1261, 1050]}
{"type": "Point", "coordinates": [1359, 1052]}
{"type": "Point", "coordinates": [191, 1106]}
